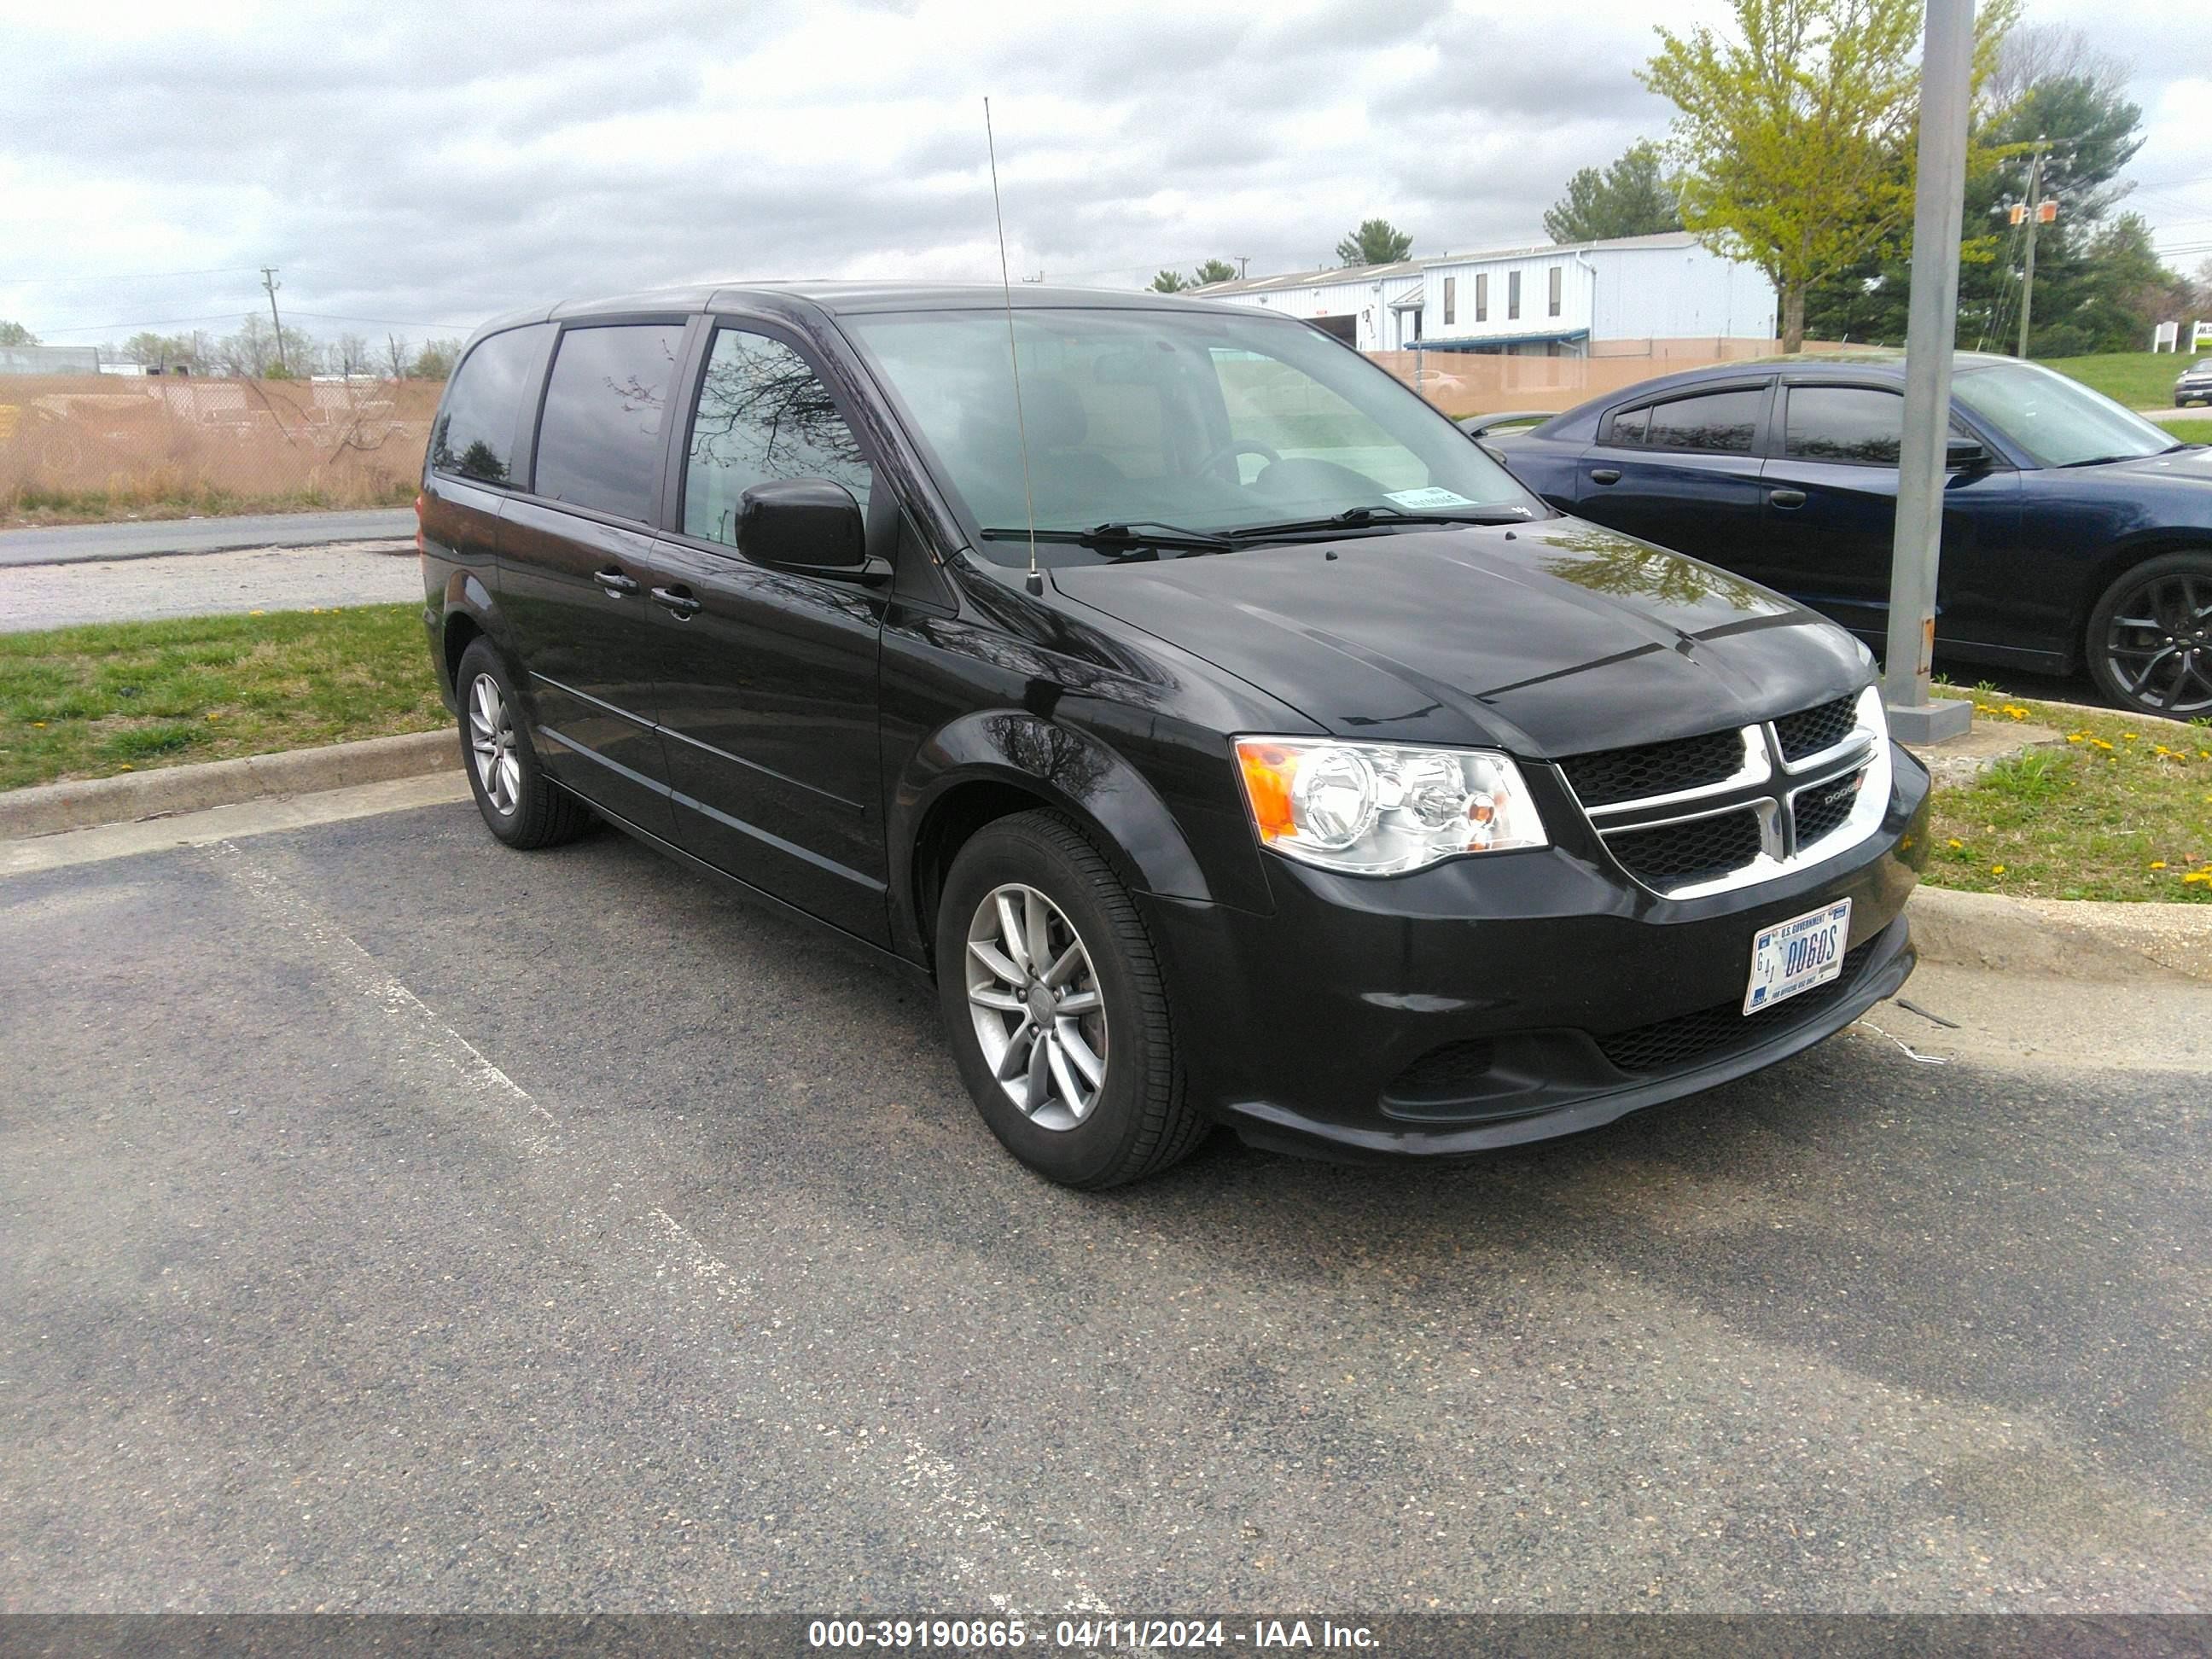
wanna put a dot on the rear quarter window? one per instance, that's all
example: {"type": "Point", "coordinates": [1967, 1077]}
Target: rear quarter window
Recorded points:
{"type": "Point", "coordinates": [474, 434]}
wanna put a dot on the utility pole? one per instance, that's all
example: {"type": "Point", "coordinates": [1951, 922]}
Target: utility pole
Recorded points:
{"type": "Point", "coordinates": [1243, 260]}
{"type": "Point", "coordinates": [2027, 269]}
{"type": "Point", "coordinates": [269, 281]}
{"type": "Point", "coordinates": [1938, 203]}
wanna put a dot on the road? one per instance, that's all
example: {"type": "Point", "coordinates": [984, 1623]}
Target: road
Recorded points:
{"type": "Point", "coordinates": [391, 1221]}
{"type": "Point", "coordinates": [154, 538]}
{"type": "Point", "coordinates": [206, 584]}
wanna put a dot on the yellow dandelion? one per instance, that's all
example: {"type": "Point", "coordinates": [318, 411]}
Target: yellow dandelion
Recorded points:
{"type": "Point", "coordinates": [40, 724]}
{"type": "Point", "coordinates": [1956, 843]}
{"type": "Point", "coordinates": [2074, 738]}
{"type": "Point", "coordinates": [2102, 744]}
{"type": "Point", "coordinates": [125, 767]}
{"type": "Point", "coordinates": [2130, 735]}
{"type": "Point", "coordinates": [257, 613]}
{"type": "Point", "coordinates": [2197, 878]}
{"type": "Point", "coordinates": [1997, 869]}
{"type": "Point", "coordinates": [2158, 864]}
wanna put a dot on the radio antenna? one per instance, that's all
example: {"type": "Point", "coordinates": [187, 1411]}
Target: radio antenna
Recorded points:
{"type": "Point", "coordinates": [1013, 356]}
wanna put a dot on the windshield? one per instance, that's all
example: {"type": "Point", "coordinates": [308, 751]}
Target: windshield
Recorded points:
{"type": "Point", "coordinates": [2061, 423]}
{"type": "Point", "coordinates": [1201, 422]}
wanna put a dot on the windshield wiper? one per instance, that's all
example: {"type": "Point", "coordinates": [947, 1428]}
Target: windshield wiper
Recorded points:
{"type": "Point", "coordinates": [2105, 460]}
{"type": "Point", "coordinates": [1127, 532]}
{"type": "Point", "coordinates": [1359, 518]}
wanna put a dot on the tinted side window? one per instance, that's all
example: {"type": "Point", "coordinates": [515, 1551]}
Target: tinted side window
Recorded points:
{"type": "Point", "coordinates": [1629, 427]}
{"type": "Point", "coordinates": [474, 436]}
{"type": "Point", "coordinates": [763, 414]}
{"type": "Point", "coordinates": [1845, 423]}
{"type": "Point", "coordinates": [598, 442]}
{"type": "Point", "coordinates": [1724, 421]}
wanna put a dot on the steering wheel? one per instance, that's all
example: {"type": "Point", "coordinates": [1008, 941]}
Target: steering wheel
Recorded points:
{"type": "Point", "coordinates": [1236, 447]}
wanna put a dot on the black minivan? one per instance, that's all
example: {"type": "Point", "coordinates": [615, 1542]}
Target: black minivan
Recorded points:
{"type": "Point", "coordinates": [1230, 737]}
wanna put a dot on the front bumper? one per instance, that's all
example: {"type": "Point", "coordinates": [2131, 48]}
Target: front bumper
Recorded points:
{"type": "Point", "coordinates": [1489, 1001]}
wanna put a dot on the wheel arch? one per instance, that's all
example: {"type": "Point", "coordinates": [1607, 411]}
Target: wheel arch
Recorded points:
{"type": "Point", "coordinates": [993, 764]}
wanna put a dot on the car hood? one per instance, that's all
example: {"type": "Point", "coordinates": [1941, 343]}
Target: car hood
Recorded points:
{"type": "Point", "coordinates": [2191, 465]}
{"type": "Point", "coordinates": [1548, 639]}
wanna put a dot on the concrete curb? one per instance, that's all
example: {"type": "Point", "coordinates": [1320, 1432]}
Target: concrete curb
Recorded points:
{"type": "Point", "coordinates": [2062, 939]}
{"type": "Point", "coordinates": [50, 808]}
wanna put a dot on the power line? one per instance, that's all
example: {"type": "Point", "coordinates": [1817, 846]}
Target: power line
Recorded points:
{"type": "Point", "coordinates": [126, 276]}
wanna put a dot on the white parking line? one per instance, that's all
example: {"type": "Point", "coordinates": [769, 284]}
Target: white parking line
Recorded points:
{"type": "Point", "coordinates": [942, 1500]}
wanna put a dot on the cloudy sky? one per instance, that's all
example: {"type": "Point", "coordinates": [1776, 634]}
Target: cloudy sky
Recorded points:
{"type": "Point", "coordinates": [415, 166]}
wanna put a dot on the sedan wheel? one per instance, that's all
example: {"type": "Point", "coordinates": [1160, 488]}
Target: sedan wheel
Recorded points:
{"type": "Point", "coordinates": [1039, 1015]}
{"type": "Point", "coordinates": [2156, 637]}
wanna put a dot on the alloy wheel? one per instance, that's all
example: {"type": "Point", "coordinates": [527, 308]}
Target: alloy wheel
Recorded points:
{"type": "Point", "coordinates": [1039, 1013]}
{"type": "Point", "coordinates": [2159, 644]}
{"type": "Point", "coordinates": [491, 740]}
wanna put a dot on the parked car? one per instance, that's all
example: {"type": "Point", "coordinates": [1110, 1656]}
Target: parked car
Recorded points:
{"type": "Point", "coordinates": [1318, 778]}
{"type": "Point", "coordinates": [2194, 384]}
{"type": "Point", "coordinates": [2074, 531]}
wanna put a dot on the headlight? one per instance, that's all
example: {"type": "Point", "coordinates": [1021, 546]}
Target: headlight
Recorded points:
{"type": "Point", "coordinates": [1377, 810]}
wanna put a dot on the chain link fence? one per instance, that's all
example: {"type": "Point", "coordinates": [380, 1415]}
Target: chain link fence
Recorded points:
{"type": "Point", "coordinates": [159, 438]}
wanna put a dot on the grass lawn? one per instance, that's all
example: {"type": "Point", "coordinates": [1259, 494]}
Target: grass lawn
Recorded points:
{"type": "Point", "coordinates": [87, 702]}
{"type": "Point", "coordinates": [2140, 379]}
{"type": "Point", "coordinates": [2196, 431]}
{"type": "Point", "coordinates": [27, 508]}
{"type": "Point", "coordinates": [2123, 810]}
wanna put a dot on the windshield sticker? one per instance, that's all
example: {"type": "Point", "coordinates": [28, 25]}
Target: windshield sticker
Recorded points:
{"type": "Point", "coordinates": [1418, 500]}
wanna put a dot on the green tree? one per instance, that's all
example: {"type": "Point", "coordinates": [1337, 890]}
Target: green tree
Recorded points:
{"type": "Point", "coordinates": [435, 361]}
{"type": "Point", "coordinates": [2090, 131]}
{"type": "Point", "coordinates": [1632, 197]}
{"type": "Point", "coordinates": [1214, 271]}
{"type": "Point", "coordinates": [1171, 281]}
{"type": "Point", "coordinates": [16, 334]}
{"type": "Point", "coordinates": [1376, 242]}
{"type": "Point", "coordinates": [1794, 139]}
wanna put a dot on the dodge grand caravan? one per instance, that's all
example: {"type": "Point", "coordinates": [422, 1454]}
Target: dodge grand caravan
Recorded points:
{"type": "Point", "coordinates": [1229, 738]}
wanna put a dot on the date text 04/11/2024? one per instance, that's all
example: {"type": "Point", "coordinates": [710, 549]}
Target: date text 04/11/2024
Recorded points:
{"type": "Point", "coordinates": [1013, 1632]}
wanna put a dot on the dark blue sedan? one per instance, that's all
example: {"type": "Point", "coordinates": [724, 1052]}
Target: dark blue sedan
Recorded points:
{"type": "Point", "coordinates": [2075, 533]}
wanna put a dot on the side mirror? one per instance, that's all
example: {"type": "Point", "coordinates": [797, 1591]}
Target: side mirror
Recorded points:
{"type": "Point", "coordinates": [1965, 455]}
{"type": "Point", "coordinates": [803, 523]}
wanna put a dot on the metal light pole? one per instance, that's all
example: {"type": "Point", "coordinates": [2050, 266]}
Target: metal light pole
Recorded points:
{"type": "Point", "coordinates": [1946, 72]}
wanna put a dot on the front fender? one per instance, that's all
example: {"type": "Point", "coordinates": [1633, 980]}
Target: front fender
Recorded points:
{"type": "Point", "coordinates": [1063, 767]}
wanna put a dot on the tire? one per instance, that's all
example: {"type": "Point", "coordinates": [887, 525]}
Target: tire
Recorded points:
{"type": "Point", "coordinates": [520, 804]}
{"type": "Point", "coordinates": [1138, 1118]}
{"type": "Point", "coordinates": [2164, 666]}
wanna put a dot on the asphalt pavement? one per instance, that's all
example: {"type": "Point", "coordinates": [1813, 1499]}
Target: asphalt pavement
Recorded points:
{"type": "Point", "coordinates": [154, 537]}
{"type": "Point", "coordinates": [392, 1221]}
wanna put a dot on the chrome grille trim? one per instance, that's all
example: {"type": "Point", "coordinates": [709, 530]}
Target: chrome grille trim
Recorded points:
{"type": "Point", "coordinates": [1771, 786]}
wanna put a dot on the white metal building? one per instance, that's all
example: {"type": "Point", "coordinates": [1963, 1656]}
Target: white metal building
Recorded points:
{"type": "Point", "coordinates": [1542, 301]}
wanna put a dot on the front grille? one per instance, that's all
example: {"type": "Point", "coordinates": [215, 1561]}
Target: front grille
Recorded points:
{"type": "Point", "coordinates": [1454, 1072]}
{"type": "Point", "coordinates": [1817, 729]}
{"type": "Point", "coordinates": [1823, 808]}
{"type": "Point", "coordinates": [1668, 1045]}
{"type": "Point", "coordinates": [1654, 769]}
{"type": "Point", "coordinates": [1699, 849]}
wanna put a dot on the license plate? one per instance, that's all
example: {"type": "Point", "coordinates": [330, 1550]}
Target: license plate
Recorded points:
{"type": "Point", "coordinates": [1797, 955]}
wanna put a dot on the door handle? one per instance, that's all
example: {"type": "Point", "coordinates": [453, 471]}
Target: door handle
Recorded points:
{"type": "Point", "coordinates": [614, 584]}
{"type": "Point", "coordinates": [1605, 475]}
{"type": "Point", "coordinates": [1787, 498]}
{"type": "Point", "coordinates": [678, 600]}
